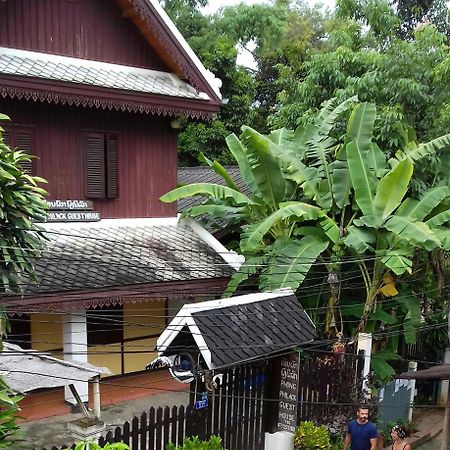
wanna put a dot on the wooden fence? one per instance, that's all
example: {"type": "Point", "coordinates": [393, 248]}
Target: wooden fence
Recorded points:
{"type": "Point", "coordinates": [234, 413]}
{"type": "Point", "coordinates": [330, 384]}
{"type": "Point", "coordinates": [329, 388]}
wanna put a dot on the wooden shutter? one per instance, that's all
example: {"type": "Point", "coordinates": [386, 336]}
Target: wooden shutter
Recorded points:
{"type": "Point", "coordinates": [8, 137]}
{"type": "Point", "coordinates": [94, 165]}
{"type": "Point", "coordinates": [111, 166]}
{"type": "Point", "coordinates": [23, 140]}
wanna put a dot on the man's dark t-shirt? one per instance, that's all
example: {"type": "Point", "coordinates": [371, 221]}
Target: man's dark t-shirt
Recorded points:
{"type": "Point", "coordinates": [361, 435]}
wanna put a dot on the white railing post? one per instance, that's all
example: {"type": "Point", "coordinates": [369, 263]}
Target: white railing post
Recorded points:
{"type": "Point", "coordinates": [365, 343]}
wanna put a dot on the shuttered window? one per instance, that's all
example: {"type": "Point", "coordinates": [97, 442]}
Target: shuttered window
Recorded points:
{"type": "Point", "coordinates": [100, 164]}
{"type": "Point", "coordinates": [21, 138]}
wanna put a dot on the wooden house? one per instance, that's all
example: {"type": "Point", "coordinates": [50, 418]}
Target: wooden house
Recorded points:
{"type": "Point", "coordinates": [94, 89]}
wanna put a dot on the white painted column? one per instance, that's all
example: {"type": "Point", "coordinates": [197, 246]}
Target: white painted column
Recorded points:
{"type": "Point", "coordinates": [75, 349]}
{"type": "Point", "coordinates": [365, 343]}
{"type": "Point", "coordinates": [443, 390]}
{"type": "Point", "coordinates": [412, 367]}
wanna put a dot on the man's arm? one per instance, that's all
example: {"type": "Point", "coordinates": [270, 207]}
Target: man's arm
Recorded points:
{"type": "Point", "coordinates": [347, 440]}
{"type": "Point", "coordinates": [373, 443]}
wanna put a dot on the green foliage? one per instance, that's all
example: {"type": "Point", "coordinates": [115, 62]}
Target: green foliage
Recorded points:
{"type": "Point", "coordinates": [10, 435]}
{"type": "Point", "coordinates": [309, 436]}
{"type": "Point", "coordinates": [316, 195]}
{"type": "Point", "coordinates": [21, 202]}
{"type": "Point", "coordinates": [365, 56]}
{"type": "Point", "coordinates": [194, 443]}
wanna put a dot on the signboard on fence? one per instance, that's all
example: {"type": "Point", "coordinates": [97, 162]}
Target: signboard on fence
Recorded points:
{"type": "Point", "coordinates": [289, 380]}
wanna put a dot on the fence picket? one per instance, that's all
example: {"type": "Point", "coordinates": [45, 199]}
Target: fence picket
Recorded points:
{"type": "Point", "coordinates": [143, 431]}
{"type": "Point", "coordinates": [158, 437]}
{"type": "Point", "coordinates": [166, 426]}
{"type": "Point", "coordinates": [181, 423]}
{"type": "Point", "coordinates": [134, 432]}
{"type": "Point", "coordinates": [151, 429]}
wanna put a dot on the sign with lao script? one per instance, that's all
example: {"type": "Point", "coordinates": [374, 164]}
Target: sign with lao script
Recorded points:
{"type": "Point", "coordinates": [70, 205]}
{"type": "Point", "coordinates": [289, 379]}
{"type": "Point", "coordinates": [71, 211]}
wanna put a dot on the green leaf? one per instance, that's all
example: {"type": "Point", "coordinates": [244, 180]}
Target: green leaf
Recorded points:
{"type": "Point", "coordinates": [219, 211]}
{"type": "Point", "coordinates": [376, 160]}
{"type": "Point", "coordinates": [413, 317]}
{"type": "Point", "coordinates": [360, 126]}
{"type": "Point", "coordinates": [238, 151]}
{"type": "Point", "coordinates": [206, 189]}
{"type": "Point", "coordinates": [328, 114]}
{"type": "Point", "coordinates": [220, 170]}
{"type": "Point", "coordinates": [392, 188]}
{"type": "Point", "coordinates": [413, 232]}
{"type": "Point", "coordinates": [384, 316]}
{"type": "Point", "coordinates": [250, 267]}
{"type": "Point", "coordinates": [265, 167]}
{"type": "Point", "coordinates": [419, 209]}
{"type": "Point", "coordinates": [439, 219]}
{"type": "Point", "coordinates": [397, 260]}
{"type": "Point", "coordinates": [382, 369]}
{"type": "Point", "coordinates": [359, 239]}
{"type": "Point", "coordinates": [362, 179]}
{"type": "Point", "coordinates": [296, 210]}
{"type": "Point", "coordinates": [292, 263]}
{"type": "Point", "coordinates": [330, 228]}
{"type": "Point", "coordinates": [341, 183]}
{"type": "Point", "coordinates": [415, 153]}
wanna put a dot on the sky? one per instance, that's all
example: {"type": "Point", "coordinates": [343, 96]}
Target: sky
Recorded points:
{"type": "Point", "coordinates": [244, 57]}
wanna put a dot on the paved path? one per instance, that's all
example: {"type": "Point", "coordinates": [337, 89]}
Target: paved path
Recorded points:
{"type": "Point", "coordinates": [53, 431]}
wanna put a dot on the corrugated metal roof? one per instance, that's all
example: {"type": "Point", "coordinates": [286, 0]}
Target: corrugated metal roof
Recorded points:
{"type": "Point", "coordinates": [109, 254]}
{"type": "Point", "coordinates": [94, 73]}
{"type": "Point", "coordinates": [27, 370]}
{"type": "Point", "coordinates": [243, 328]}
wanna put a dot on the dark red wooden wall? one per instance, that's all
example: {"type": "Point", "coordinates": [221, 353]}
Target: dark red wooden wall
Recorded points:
{"type": "Point", "coordinates": [147, 155]}
{"type": "Point", "coordinates": [91, 29]}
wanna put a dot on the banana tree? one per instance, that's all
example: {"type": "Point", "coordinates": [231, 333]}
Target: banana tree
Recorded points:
{"type": "Point", "coordinates": [319, 196]}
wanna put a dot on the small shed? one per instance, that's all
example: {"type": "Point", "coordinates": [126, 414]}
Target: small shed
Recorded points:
{"type": "Point", "coordinates": [239, 329]}
{"type": "Point", "coordinates": [27, 370]}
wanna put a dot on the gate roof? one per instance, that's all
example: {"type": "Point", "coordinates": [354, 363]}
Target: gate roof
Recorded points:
{"type": "Point", "coordinates": [240, 329]}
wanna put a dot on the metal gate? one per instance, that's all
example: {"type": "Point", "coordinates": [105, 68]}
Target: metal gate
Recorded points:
{"type": "Point", "coordinates": [394, 403]}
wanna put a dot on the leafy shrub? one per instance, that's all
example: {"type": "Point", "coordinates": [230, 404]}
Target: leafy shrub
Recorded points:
{"type": "Point", "coordinates": [194, 443]}
{"type": "Point", "coordinates": [309, 436]}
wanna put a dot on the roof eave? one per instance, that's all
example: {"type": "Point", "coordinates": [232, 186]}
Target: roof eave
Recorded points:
{"type": "Point", "coordinates": [59, 92]}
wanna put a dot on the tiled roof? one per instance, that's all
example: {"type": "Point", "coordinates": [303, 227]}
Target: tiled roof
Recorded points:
{"type": "Point", "coordinates": [27, 370]}
{"type": "Point", "coordinates": [93, 73]}
{"type": "Point", "coordinates": [92, 257]}
{"type": "Point", "coordinates": [204, 174]}
{"type": "Point", "coordinates": [241, 328]}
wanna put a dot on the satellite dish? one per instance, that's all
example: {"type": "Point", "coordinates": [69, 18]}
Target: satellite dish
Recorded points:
{"type": "Point", "coordinates": [184, 368]}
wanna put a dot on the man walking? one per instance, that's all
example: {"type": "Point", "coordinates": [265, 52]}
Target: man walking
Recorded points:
{"type": "Point", "coordinates": [361, 433]}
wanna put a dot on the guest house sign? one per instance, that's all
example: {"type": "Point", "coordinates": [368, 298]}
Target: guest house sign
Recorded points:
{"type": "Point", "coordinates": [71, 211]}
{"type": "Point", "coordinates": [287, 411]}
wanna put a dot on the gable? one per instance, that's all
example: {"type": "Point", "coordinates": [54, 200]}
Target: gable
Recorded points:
{"type": "Point", "coordinates": [88, 29]}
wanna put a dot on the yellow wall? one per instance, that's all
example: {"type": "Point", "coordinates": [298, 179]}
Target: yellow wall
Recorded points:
{"type": "Point", "coordinates": [106, 356]}
{"type": "Point", "coordinates": [46, 331]}
{"type": "Point", "coordinates": [139, 321]}
{"type": "Point", "coordinates": [140, 318]}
